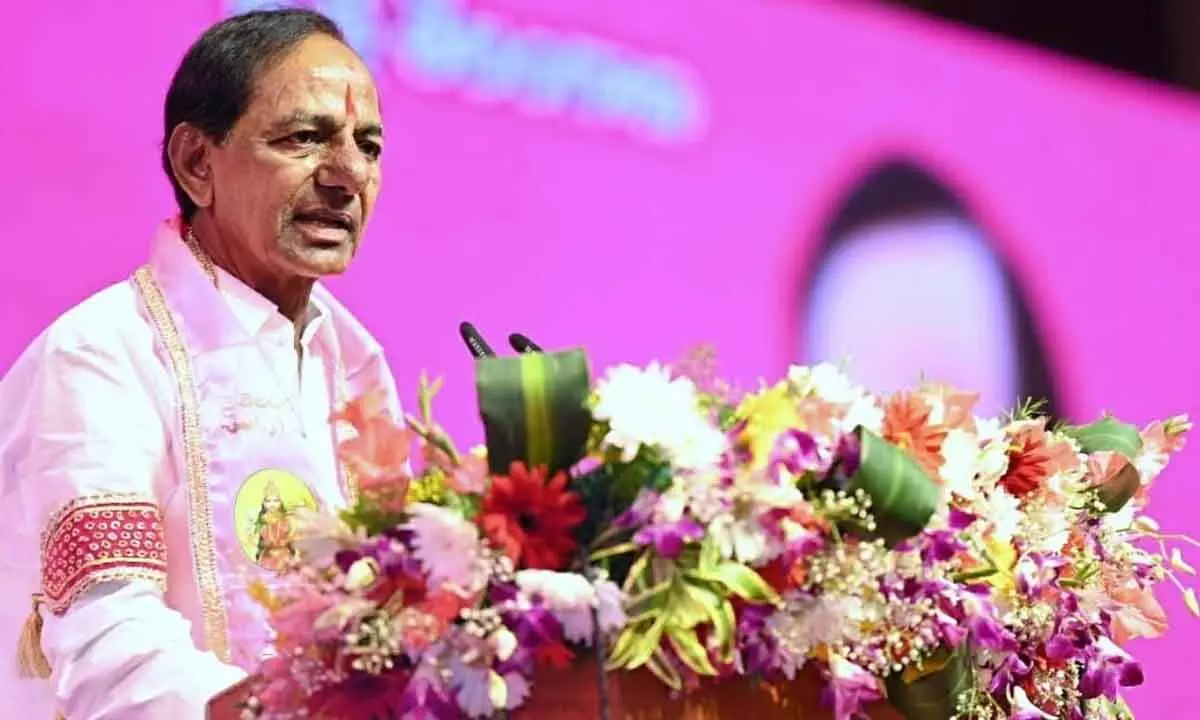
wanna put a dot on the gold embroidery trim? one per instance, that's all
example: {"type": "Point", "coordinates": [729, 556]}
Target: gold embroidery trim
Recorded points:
{"type": "Point", "coordinates": [349, 477]}
{"type": "Point", "coordinates": [216, 622]}
{"type": "Point", "coordinates": [101, 538]}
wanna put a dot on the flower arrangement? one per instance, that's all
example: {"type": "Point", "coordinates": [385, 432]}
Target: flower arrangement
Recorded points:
{"type": "Point", "coordinates": [911, 551]}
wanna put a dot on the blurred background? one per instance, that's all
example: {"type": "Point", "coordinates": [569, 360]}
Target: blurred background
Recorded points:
{"type": "Point", "coordinates": [997, 193]}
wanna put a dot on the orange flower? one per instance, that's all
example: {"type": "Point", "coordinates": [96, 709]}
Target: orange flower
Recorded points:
{"type": "Point", "coordinates": [817, 415]}
{"type": "Point", "coordinates": [378, 453]}
{"type": "Point", "coordinates": [906, 425]}
{"type": "Point", "coordinates": [1028, 461]}
{"type": "Point", "coordinates": [532, 518]}
{"type": "Point", "coordinates": [958, 413]}
{"type": "Point", "coordinates": [1063, 457]}
{"type": "Point", "coordinates": [1139, 615]}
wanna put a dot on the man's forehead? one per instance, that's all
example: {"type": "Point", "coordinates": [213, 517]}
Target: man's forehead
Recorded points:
{"type": "Point", "coordinates": [318, 80]}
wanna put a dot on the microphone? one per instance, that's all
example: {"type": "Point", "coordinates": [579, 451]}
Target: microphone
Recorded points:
{"type": "Point", "coordinates": [475, 342]}
{"type": "Point", "coordinates": [522, 344]}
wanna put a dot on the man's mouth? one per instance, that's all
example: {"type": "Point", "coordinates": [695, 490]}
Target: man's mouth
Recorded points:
{"type": "Point", "coordinates": [330, 219]}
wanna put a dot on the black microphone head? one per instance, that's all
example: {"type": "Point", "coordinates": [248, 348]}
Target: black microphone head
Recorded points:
{"type": "Point", "coordinates": [522, 344]}
{"type": "Point", "coordinates": [475, 342]}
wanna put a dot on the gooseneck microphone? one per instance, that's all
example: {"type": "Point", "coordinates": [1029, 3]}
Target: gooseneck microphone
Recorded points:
{"type": "Point", "coordinates": [475, 342]}
{"type": "Point", "coordinates": [522, 344]}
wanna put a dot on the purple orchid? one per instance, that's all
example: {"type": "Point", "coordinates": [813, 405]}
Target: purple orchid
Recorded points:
{"type": "Point", "coordinates": [534, 626]}
{"type": "Point", "coordinates": [426, 700]}
{"type": "Point", "coordinates": [669, 539]}
{"type": "Point", "coordinates": [1011, 671]}
{"type": "Point", "coordinates": [848, 690]}
{"type": "Point", "coordinates": [1108, 669]}
{"type": "Point", "coordinates": [759, 648]}
{"type": "Point", "coordinates": [640, 512]}
{"type": "Point", "coordinates": [796, 452]}
{"type": "Point", "coordinates": [982, 621]}
{"type": "Point", "coordinates": [961, 519]}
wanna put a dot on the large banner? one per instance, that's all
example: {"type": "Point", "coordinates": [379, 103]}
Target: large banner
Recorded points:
{"type": "Point", "coordinates": [786, 181]}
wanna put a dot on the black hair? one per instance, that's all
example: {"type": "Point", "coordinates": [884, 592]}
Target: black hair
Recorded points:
{"type": "Point", "coordinates": [214, 82]}
{"type": "Point", "coordinates": [899, 187]}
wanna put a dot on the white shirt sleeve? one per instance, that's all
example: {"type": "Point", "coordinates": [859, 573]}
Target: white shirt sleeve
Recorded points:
{"type": "Point", "coordinates": [94, 436]}
{"type": "Point", "coordinates": [119, 653]}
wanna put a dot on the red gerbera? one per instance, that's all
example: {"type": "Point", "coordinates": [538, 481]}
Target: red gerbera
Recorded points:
{"type": "Point", "coordinates": [906, 425]}
{"type": "Point", "coordinates": [531, 518]}
{"type": "Point", "coordinates": [1028, 461]}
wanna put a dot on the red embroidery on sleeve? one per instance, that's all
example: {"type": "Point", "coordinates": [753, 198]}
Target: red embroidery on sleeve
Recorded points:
{"type": "Point", "coordinates": [101, 539]}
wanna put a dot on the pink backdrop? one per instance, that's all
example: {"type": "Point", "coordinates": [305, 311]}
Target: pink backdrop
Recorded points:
{"type": "Point", "coordinates": [675, 199]}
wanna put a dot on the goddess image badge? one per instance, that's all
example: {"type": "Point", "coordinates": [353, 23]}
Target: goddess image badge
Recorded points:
{"type": "Point", "coordinates": [265, 508]}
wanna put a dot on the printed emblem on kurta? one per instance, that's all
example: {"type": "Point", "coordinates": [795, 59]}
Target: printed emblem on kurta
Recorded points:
{"type": "Point", "coordinates": [265, 510]}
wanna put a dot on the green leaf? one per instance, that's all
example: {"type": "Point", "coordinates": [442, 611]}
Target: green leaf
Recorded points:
{"type": "Point", "coordinates": [903, 497]}
{"type": "Point", "coordinates": [1110, 435]}
{"type": "Point", "coordinates": [664, 669]}
{"type": "Point", "coordinates": [684, 608]}
{"type": "Point", "coordinates": [1107, 434]}
{"type": "Point", "coordinates": [690, 651]}
{"type": "Point", "coordinates": [741, 580]}
{"type": "Point", "coordinates": [725, 630]}
{"type": "Point", "coordinates": [933, 695]}
{"type": "Point", "coordinates": [645, 645]}
{"type": "Point", "coordinates": [534, 409]}
{"type": "Point", "coordinates": [621, 650]}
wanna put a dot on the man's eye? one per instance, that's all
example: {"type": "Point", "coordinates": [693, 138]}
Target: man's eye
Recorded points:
{"type": "Point", "coordinates": [304, 137]}
{"type": "Point", "coordinates": [371, 149]}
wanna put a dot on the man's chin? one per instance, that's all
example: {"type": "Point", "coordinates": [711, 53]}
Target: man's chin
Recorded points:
{"type": "Point", "coordinates": [317, 262]}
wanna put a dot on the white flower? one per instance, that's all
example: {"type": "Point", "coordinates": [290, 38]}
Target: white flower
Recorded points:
{"type": "Point", "coordinates": [738, 529]}
{"type": "Point", "coordinates": [805, 624]}
{"type": "Point", "coordinates": [448, 547]}
{"type": "Point", "coordinates": [1004, 512]}
{"type": "Point", "coordinates": [826, 380]}
{"type": "Point", "coordinates": [648, 408]}
{"type": "Point", "coordinates": [1022, 706]}
{"type": "Point", "coordinates": [319, 536]}
{"type": "Point", "coordinates": [481, 691]}
{"type": "Point", "coordinates": [865, 412]}
{"type": "Point", "coordinates": [1121, 520]}
{"type": "Point", "coordinates": [572, 600]}
{"type": "Point", "coordinates": [960, 463]}
{"type": "Point", "coordinates": [610, 608]}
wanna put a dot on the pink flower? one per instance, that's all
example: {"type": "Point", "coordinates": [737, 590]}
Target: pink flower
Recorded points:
{"type": "Point", "coordinates": [1138, 614]}
{"type": "Point", "coordinates": [379, 451]}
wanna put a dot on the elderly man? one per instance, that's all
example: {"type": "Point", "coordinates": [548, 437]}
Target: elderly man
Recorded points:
{"type": "Point", "coordinates": [160, 435]}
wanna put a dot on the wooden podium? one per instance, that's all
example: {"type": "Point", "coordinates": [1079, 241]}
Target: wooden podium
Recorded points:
{"type": "Point", "coordinates": [572, 693]}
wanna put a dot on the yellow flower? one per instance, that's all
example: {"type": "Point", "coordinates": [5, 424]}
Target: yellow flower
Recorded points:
{"type": "Point", "coordinates": [429, 487]}
{"type": "Point", "coordinates": [767, 414]}
{"type": "Point", "coordinates": [1004, 557]}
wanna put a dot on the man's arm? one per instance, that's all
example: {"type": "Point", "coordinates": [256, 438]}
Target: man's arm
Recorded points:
{"type": "Point", "coordinates": [97, 440]}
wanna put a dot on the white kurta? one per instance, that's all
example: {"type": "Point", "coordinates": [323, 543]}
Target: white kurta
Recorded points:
{"type": "Point", "coordinates": [90, 410]}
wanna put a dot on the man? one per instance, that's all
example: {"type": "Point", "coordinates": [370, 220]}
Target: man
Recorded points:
{"type": "Point", "coordinates": [160, 435]}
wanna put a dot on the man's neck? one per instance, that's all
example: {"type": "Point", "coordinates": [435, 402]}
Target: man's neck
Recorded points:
{"type": "Point", "coordinates": [289, 294]}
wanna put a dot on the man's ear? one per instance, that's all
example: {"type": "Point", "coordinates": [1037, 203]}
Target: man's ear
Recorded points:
{"type": "Point", "coordinates": [190, 152]}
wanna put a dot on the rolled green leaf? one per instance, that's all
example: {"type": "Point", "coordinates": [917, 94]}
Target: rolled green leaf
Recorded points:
{"type": "Point", "coordinates": [1111, 435]}
{"type": "Point", "coordinates": [1107, 434]}
{"type": "Point", "coordinates": [534, 409]}
{"type": "Point", "coordinates": [934, 695]}
{"type": "Point", "coordinates": [903, 497]}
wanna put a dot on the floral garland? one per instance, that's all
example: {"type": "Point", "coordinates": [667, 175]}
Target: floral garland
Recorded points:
{"type": "Point", "coordinates": [955, 565]}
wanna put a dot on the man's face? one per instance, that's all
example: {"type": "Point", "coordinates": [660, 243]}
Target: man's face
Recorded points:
{"type": "Point", "coordinates": [297, 178]}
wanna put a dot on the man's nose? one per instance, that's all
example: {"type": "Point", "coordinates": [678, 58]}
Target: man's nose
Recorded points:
{"type": "Point", "coordinates": [345, 167]}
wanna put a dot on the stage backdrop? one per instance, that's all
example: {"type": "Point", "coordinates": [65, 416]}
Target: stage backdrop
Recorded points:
{"type": "Point", "coordinates": [639, 177]}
